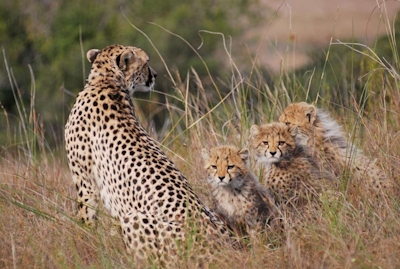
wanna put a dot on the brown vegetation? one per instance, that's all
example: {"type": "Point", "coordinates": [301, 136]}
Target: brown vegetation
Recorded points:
{"type": "Point", "coordinates": [38, 225]}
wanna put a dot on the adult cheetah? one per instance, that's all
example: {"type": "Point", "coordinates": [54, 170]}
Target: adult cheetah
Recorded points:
{"type": "Point", "coordinates": [237, 194]}
{"type": "Point", "coordinates": [112, 157]}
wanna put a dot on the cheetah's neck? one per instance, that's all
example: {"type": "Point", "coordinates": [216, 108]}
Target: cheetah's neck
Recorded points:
{"type": "Point", "coordinates": [99, 79]}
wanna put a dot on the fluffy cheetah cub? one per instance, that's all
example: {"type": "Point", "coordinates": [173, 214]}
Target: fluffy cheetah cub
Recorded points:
{"type": "Point", "coordinates": [328, 145]}
{"type": "Point", "coordinates": [291, 174]}
{"type": "Point", "coordinates": [320, 133]}
{"type": "Point", "coordinates": [237, 195]}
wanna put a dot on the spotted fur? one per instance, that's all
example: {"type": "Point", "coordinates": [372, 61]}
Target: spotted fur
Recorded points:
{"type": "Point", "coordinates": [328, 144]}
{"type": "Point", "coordinates": [237, 194]}
{"type": "Point", "coordinates": [320, 133]}
{"type": "Point", "coordinates": [290, 173]}
{"type": "Point", "coordinates": [112, 158]}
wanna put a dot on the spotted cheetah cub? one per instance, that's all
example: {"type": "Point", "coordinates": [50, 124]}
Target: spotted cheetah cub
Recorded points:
{"type": "Point", "coordinates": [291, 174]}
{"type": "Point", "coordinates": [320, 133]}
{"type": "Point", "coordinates": [328, 144]}
{"type": "Point", "coordinates": [237, 195]}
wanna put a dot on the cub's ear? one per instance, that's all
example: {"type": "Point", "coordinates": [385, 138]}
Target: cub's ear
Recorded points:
{"type": "Point", "coordinates": [282, 117]}
{"type": "Point", "coordinates": [293, 130]}
{"type": "Point", "coordinates": [124, 59]}
{"type": "Point", "coordinates": [92, 54]}
{"type": "Point", "coordinates": [205, 153]}
{"type": "Point", "coordinates": [254, 130]}
{"type": "Point", "coordinates": [311, 114]}
{"type": "Point", "coordinates": [244, 154]}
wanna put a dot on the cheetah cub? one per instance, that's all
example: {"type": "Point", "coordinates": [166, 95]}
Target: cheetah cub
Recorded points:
{"type": "Point", "coordinates": [328, 144]}
{"type": "Point", "coordinates": [237, 195]}
{"type": "Point", "coordinates": [291, 174]}
{"type": "Point", "coordinates": [320, 133]}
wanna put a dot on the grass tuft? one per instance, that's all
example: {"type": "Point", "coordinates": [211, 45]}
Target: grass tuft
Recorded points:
{"type": "Point", "coordinates": [38, 227]}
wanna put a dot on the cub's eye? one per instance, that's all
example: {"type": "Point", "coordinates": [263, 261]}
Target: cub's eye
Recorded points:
{"type": "Point", "coordinates": [265, 143]}
{"type": "Point", "coordinates": [213, 166]}
{"type": "Point", "coordinates": [281, 143]}
{"type": "Point", "coordinates": [230, 166]}
{"type": "Point", "coordinates": [287, 123]}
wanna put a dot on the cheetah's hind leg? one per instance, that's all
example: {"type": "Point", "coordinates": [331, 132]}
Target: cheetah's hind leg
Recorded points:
{"type": "Point", "coordinates": [151, 238]}
{"type": "Point", "coordinates": [88, 198]}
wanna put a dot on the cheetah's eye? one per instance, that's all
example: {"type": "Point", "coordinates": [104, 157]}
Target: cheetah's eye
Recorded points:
{"type": "Point", "coordinates": [265, 143]}
{"type": "Point", "coordinates": [281, 143]}
{"type": "Point", "coordinates": [287, 123]}
{"type": "Point", "coordinates": [230, 167]}
{"type": "Point", "coordinates": [213, 166]}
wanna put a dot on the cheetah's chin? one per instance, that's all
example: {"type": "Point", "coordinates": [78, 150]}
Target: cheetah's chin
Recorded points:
{"type": "Point", "coordinates": [143, 88]}
{"type": "Point", "coordinates": [222, 183]}
{"type": "Point", "coordinates": [273, 160]}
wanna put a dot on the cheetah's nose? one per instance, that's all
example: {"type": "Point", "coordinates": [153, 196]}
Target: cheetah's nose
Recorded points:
{"type": "Point", "coordinates": [221, 178]}
{"type": "Point", "coordinates": [272, 153]}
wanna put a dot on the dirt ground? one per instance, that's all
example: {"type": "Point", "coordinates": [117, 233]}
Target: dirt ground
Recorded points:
{"type": "Point", "coordinates": [301, 25]}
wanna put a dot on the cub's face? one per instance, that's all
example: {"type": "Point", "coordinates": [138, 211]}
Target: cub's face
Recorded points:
{"type": "Point", "coordinates": [225, 166]}
{"type": "Point", "coordinates": [130, 64]}
{"type": "Point", "coordinates": [302, 115]}
{"type": "Point", "coordinates": [273, 142]}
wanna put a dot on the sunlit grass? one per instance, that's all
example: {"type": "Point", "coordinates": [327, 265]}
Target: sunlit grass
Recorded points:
{"type": "Point", "coordinates": [38, 228]}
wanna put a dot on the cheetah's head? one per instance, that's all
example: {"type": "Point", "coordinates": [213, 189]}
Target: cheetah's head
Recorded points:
{"type": "Point", "coordinates": [225, 166]}
{"type": "Point", "coordinates": [273, 143]}
{"type": "Point", "coordinates": [302, 115]}
{"type": "Point", "coordinates": [128, 65]}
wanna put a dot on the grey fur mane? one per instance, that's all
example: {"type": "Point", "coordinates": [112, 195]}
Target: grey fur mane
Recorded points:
{"type": "Point", "coordinates": [334, 134]}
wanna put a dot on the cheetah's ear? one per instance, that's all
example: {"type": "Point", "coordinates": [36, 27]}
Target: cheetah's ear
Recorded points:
{"type": "Point", "coordinates": [244, 154]}
{"type": "Point", "coordinates": [205, 153]}
{"type": "Point", "coordinates": [311, 114]}
{"type": "Point", "coordinates": [92, 54]}
{"type": "Point", "coordinates": [293, 130]}
{"type": "Point", "coordinates": [124, 59]}
{"type": "Point", "coordinates": [282, 117]}
{"type": "Point", "coordinates": [254, 130]}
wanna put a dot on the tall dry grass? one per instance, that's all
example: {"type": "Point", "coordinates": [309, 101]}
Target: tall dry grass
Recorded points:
{"type": "Point", "coordinates": [38, 228]}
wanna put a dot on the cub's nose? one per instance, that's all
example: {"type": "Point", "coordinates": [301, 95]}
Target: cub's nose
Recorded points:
{"type": "Point", "coordinates": [272, 153]}
{"type": "Point", "coordinates": [221, 178]}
